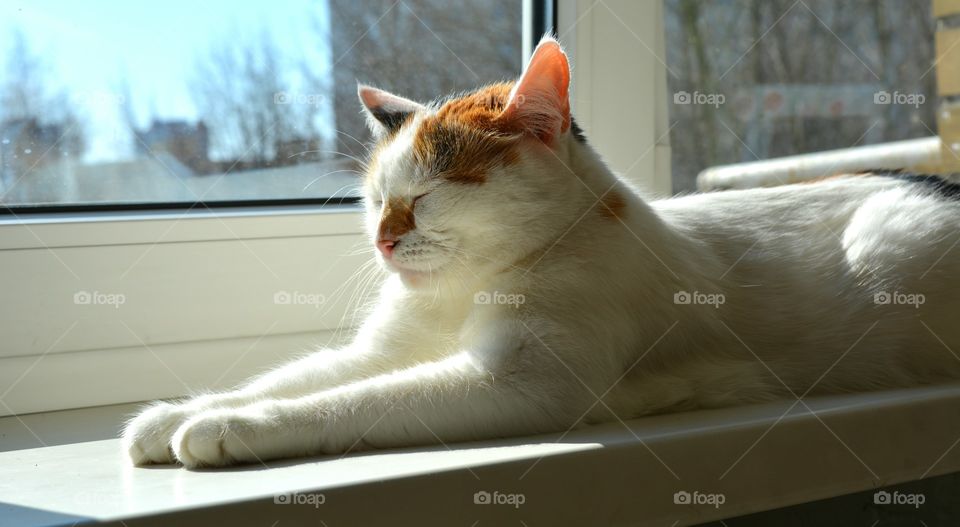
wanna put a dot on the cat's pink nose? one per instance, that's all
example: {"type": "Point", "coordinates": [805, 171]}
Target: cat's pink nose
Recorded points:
{"type": "Point", "coordinates": [386, 245]}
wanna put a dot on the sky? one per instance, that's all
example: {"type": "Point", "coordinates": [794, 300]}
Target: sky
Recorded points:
{"type": "Point", "coordinates": [91, 48]}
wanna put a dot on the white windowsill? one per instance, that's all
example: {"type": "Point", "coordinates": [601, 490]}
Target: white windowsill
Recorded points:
{"type": "Point", "coordinates": [599, 475]}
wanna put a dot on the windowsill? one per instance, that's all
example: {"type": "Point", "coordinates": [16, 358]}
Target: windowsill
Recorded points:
{"type": "Point", "coordinates": [598, 475]}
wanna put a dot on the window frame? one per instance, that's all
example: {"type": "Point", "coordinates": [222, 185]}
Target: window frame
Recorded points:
{"type": "Point", "coordinates": [604, 42]}
{"type": "Point", "coordinates": [80, 208]}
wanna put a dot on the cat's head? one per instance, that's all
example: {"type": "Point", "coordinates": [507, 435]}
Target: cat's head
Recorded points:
{"type": "Point", "coordinates": [473, 183]}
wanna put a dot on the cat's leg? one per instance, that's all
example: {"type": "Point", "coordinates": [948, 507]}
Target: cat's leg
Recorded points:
{"type": "Point", "coordinates": [460, 398]}
{"type": "Point", "coordinates": [146, 438]}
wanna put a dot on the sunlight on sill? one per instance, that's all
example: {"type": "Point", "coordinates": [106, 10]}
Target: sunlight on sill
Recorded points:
{"type": "Point", "coordinates": [759, 457]}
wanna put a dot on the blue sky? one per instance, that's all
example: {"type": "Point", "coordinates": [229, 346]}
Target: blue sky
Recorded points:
{"type": "Point", "coordinates": [91, 47]}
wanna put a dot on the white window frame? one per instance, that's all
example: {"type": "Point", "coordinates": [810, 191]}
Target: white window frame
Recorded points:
{"type": "Point", "coordinates": [619, 91]}
{"type": "Point", "coordinates": [198, 286]}
{"type": "Point", "coordinates": [194, 284]}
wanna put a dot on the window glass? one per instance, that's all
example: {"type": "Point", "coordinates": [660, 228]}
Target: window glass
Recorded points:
{"type": "Point", "coordinates": [757, 79]}
{"type": "Point", "coordinates": [132, 102]}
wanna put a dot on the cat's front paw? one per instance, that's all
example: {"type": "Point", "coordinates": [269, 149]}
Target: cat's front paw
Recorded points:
{"type": "Point", "coordinates": [146, 438]}
{"type": "Point", "coordinates": [218, 438]}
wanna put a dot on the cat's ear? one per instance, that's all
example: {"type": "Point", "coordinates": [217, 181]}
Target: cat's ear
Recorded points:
{"type": "Point", "coordinates": [539, 103]}
{"type": "Point", "coordinates": [385, 111]}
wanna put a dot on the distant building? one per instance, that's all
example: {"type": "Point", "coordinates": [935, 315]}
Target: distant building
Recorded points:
{"type": "Point", "coordinates": [188, 143]}
{"type": "Point", "coordinates": [26, 143]}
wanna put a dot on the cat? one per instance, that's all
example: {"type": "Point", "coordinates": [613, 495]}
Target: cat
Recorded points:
{"type": "Point", "coordinates": [531, 290]}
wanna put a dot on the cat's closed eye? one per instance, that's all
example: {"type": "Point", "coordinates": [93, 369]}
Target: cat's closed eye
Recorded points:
{"type": "Point", "coordinates": [378, 203]}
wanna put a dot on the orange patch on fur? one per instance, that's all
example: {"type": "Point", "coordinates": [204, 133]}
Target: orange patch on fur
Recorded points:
{"type": "Point", "coordinates": [478, 109]}
{"type": "Point", "coordinates": [463, 140]}
{"type": "Point", "coordinates": [612, 205]}
{"type": "Point", "coordinates": [397, 218]}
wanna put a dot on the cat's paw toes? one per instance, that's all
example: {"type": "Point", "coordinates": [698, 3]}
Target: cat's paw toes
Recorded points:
{"type": "Point", "coordinates": [215, 439]}
{"type": "Point", "coordinates": [146, 438]}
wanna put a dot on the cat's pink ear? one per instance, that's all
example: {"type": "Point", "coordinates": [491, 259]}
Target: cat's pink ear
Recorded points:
{"type": "Point", "coordinates": [385, 111]}
{"type": "Point", "coordinates": [539, 103]}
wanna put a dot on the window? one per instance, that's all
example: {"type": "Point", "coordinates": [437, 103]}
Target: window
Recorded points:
{"type": "Point", "coordinates": [756, 79]}
{"type": "Point", "coordinates": [114, 109]}
{"type": "Point", "coordinates": [110, 102]}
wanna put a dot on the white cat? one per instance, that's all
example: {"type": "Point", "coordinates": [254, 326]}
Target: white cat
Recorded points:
{"type": "Point", "coordinates": [532, 290]}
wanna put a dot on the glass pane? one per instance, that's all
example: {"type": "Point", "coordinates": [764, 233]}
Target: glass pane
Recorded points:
{"type": "Point", "coordinates": [757, 79]}
{"type": "Point", "coordinates": [131, 102]}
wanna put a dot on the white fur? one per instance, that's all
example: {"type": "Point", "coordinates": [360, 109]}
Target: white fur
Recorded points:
{"type": "Point", "coordinates": [598, 333]}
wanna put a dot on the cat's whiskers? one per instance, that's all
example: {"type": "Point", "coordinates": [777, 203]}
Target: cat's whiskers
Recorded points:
{"type": "Point", "coordinates": [436, 290]}
{"type": "Point", "coordinates": [360, 276]}
{"type": "Point", "coordinates": [465, 266]}
{"type": "Point", "coordinates": [436, 228]}
{"type": "Point", "coordinates": [363, 248]}
{"type": "Point", "coordinates": [458, 273]}
{"type": "Point", "coordinates": [363, 164]}
{"type": "Point", "coordinates": [484, 257]}
{"type": "Point", "coordinates": [334, 194]}
{"type": "Point", "coordinates": [368, 283]}
{"type": "Point", "coordinates": [339, 290]}
{"type": "Point", "coordinates": [347, 170]}
{"type": "Point", "coordinates": [359, 142]}
{"type": "Point", "coordinates": [357, 299]}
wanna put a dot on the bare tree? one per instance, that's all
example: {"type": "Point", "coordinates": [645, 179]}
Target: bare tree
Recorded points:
{"type": "Point", "coordinates": [28, 96]}
{"type": "Point", "coordinates": [736, 48]}
{"type": "Point", "coordinates": [421, 49]}
{"type": "Point", "coordinates": [261, 110]}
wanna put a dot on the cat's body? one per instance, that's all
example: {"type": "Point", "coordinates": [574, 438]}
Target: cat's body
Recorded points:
{"type": "Point", "coordinates": [532, 290]}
